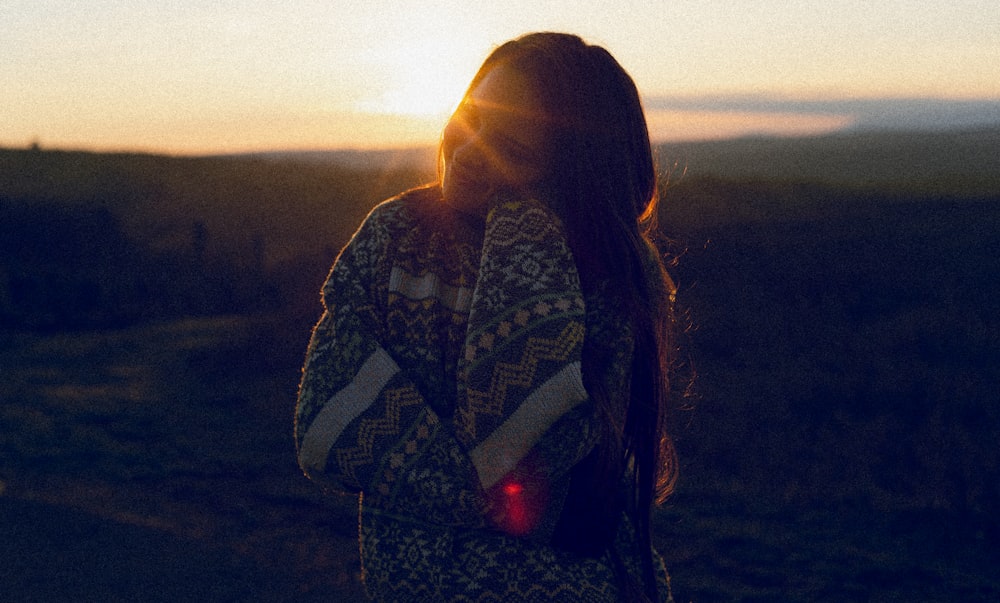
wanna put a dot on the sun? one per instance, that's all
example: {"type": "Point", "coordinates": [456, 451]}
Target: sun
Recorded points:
{"type": "Point", "coordinates": [426, 80]}
{"type": "Point", "coordinates": [424, 92]}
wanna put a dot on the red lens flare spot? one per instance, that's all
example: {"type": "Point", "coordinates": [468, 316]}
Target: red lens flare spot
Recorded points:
{"type": "Point", "coordinates": [518, 512]}
{"type": "Point", "coordinates": [517, 502]}
{"type": "Point", "coordinates": [513, 489]}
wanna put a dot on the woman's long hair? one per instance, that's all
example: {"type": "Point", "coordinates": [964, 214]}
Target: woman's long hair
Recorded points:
{"type": "Point", "coordinates": [606, 188]}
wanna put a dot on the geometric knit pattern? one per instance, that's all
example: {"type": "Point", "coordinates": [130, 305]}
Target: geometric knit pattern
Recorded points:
{"type": "Point", "coordinates": [443, 383]}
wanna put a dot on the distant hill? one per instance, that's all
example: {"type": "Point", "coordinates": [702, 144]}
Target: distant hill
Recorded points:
{"type": "Point", "coordinates": [936, 161]}
{"type": "Point", "coordinates": [289, 202]}
{"type": "Point", "coordinates": [420, 158]}
{"type": "Point", "coordinates": [132, 237]}
{"type": "Point", "coordinates": [286, 204]}
{"type": "Point", "coordinates": [144, 235]}
{"type": "Point", "coordinates": [958, 162]}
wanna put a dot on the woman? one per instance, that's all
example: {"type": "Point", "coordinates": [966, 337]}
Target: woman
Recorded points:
{"type": "Point", "coordinates": [490, 371]}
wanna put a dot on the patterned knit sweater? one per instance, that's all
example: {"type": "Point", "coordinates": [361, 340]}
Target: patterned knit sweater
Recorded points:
{"type": "Point", "coordinates": [443, 383]}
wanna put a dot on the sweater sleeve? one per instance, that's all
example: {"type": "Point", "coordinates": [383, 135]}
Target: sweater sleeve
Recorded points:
{"type": "Point", "coordinates": [521, 411]}
{"type": "Point", "coordinates": [361, 423]}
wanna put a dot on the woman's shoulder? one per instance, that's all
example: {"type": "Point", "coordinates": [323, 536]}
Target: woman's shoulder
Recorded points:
{"type": "Point", "coordinates": [420, 213]}
{"type": "Point", "coordinates": [408, 207]}
{"type": "Point", "coordinates": [392, 218]}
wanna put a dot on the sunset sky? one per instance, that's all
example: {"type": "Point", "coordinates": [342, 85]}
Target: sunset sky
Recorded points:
{"type": "Point", "coordinates": [191, 76]}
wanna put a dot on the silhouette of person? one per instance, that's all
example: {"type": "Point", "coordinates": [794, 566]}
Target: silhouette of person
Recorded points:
{"type": "Point", "coordinates": [490, 372]}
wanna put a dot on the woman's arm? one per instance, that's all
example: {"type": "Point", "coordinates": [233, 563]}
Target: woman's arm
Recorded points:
{"type": "Point", "coordinates": [361, 423]}
{"type": "Point", "coordinates": [520, 400]}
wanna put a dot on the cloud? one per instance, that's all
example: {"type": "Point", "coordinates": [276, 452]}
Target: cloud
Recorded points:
{"type": "Point", "coordinates": [859, 114]}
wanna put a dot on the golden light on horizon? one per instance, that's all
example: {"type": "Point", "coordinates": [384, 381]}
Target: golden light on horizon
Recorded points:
{"type": "Point", "coordinates": [672, 126]}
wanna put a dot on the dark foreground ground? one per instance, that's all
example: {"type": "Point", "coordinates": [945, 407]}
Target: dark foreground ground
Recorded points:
{"type": "Point", "coordinates": [845, 336]}
{"type": "Point", "coordinates": [156, 464]}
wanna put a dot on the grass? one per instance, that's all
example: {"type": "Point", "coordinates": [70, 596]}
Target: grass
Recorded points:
{"type": "Point", "coordinates": [843, 303]}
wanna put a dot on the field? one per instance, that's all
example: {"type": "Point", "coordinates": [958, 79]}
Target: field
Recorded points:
{"type": "Point", "coordinates": [841, 302]}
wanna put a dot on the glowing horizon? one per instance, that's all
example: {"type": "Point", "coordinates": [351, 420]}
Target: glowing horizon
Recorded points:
{"type": "Point", "coordinates": [386, 131]}
{"type": "Point", "coordinates": [191, 78]}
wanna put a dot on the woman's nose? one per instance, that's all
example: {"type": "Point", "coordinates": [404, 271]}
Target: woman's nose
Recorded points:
{"type": "Point", "coordinates": [470, 150]}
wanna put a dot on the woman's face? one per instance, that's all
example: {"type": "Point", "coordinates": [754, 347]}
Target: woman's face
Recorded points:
{"type": "Point", "coordinates": [496, 140]}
